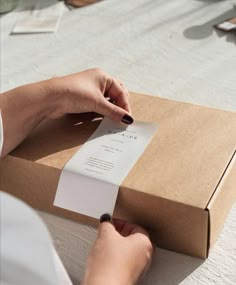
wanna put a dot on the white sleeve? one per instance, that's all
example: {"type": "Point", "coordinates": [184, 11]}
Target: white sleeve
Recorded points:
{"type": "Point", "coordinates": [26, 249]}
{"type": "Point", "coordinates": [27, 255]}
{"type": "Point", "coordinates": [1, 134]}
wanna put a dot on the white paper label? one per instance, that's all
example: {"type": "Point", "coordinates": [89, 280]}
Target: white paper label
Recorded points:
{"type": "Point", "coordinates": [43, 17]}
{"type": "Point", "coordinates": [227, 26]}
{"type": "Point", "coordinates": [89, 182]}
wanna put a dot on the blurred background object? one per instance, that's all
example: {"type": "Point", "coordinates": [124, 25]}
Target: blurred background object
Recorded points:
{"type": "Point", "coordinates": [80, 3]}
{"type": "Point", "coordinates": [7, 5]}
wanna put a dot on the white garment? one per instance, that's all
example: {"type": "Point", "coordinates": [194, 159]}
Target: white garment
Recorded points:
{"type": "Point", "coordinates": [27, 255]}
{"type": "Point", "coordinates": [1, 134]}
{"type": "Point", "coordinates": [26, 248]}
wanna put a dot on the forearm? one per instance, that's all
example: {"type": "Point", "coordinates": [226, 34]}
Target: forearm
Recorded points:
{"type": "Point", "coordinates": [23, 109]}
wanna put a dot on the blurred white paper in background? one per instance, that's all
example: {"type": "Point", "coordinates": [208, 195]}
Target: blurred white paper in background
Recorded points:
{"type": "Point", "coordinates": [41, 17]}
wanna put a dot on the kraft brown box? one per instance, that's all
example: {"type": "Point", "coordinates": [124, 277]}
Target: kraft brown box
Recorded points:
{"type": "Point", "coordinates": [181, 188]}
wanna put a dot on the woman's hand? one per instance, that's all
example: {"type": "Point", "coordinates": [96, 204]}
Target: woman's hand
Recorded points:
{"type": "Point", "coordinates": [88, 91]}
{"type": "Point", "coordinates": [25, 107]}
{"type": "Point", "coordinates": [120, 255]}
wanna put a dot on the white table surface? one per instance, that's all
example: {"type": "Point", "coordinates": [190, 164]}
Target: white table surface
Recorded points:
{"type": "Point", "coordinates": [157, 47]}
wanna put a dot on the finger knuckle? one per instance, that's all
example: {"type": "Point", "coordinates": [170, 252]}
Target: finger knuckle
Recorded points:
{"type": "Point", "coordinates": [99, 71]}
{"type": "Point", "coordinates": [147, 245]}
{"type": "Point", "coordinates": [148, 250]}
{"type": "Point", "coordinates": [120, 94]}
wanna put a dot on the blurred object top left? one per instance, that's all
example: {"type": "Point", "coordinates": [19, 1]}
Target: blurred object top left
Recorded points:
{"type": "Point", "coordinates": [7, 5]}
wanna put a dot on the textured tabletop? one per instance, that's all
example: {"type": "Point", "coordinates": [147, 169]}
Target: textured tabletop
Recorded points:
{"type": "Point", "coordinates": [157, 47]}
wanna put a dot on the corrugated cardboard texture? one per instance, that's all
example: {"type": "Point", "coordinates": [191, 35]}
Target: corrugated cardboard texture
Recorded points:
{"type": "Point", "coordinates": [168, 189]}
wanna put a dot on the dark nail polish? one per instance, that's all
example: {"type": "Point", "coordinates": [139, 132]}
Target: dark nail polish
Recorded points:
{"type": "Point", "coordinates": [127, 119]}
{"type": "Point", "coordinates": [105, 218]}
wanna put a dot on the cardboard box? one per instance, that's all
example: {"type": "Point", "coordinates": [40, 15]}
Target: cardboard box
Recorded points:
{"type": "Point", "coordinates": [181, 188]}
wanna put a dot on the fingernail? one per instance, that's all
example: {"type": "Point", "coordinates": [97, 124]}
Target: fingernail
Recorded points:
{"type": "Point", "coordinates": [105, 218]}
{"type": "Point", "coordinates": [127, 119]}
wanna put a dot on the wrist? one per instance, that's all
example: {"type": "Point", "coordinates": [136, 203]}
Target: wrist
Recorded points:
{"type": "Point", "coordinates": [104, 277]}
{"type": "Point", "coordinates": [103, 280]}
{"type": "Point", "coordinates": [53, 98]}
{"type": "Point", "coordinates": [30, 104]}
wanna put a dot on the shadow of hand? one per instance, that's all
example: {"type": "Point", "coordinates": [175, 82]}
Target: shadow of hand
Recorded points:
{"type": "Point", "coordinates": [170, 268]}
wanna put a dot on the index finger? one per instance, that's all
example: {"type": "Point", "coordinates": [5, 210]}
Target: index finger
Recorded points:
{"type": "Point", "coordinates": [117, 92]}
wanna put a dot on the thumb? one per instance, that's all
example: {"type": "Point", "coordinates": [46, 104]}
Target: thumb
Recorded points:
{"type": "Point", "coordinates": [113, 112]}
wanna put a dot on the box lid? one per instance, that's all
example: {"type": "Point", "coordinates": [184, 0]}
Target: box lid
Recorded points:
{"type": "Point", "coordinates": [183, 163]}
